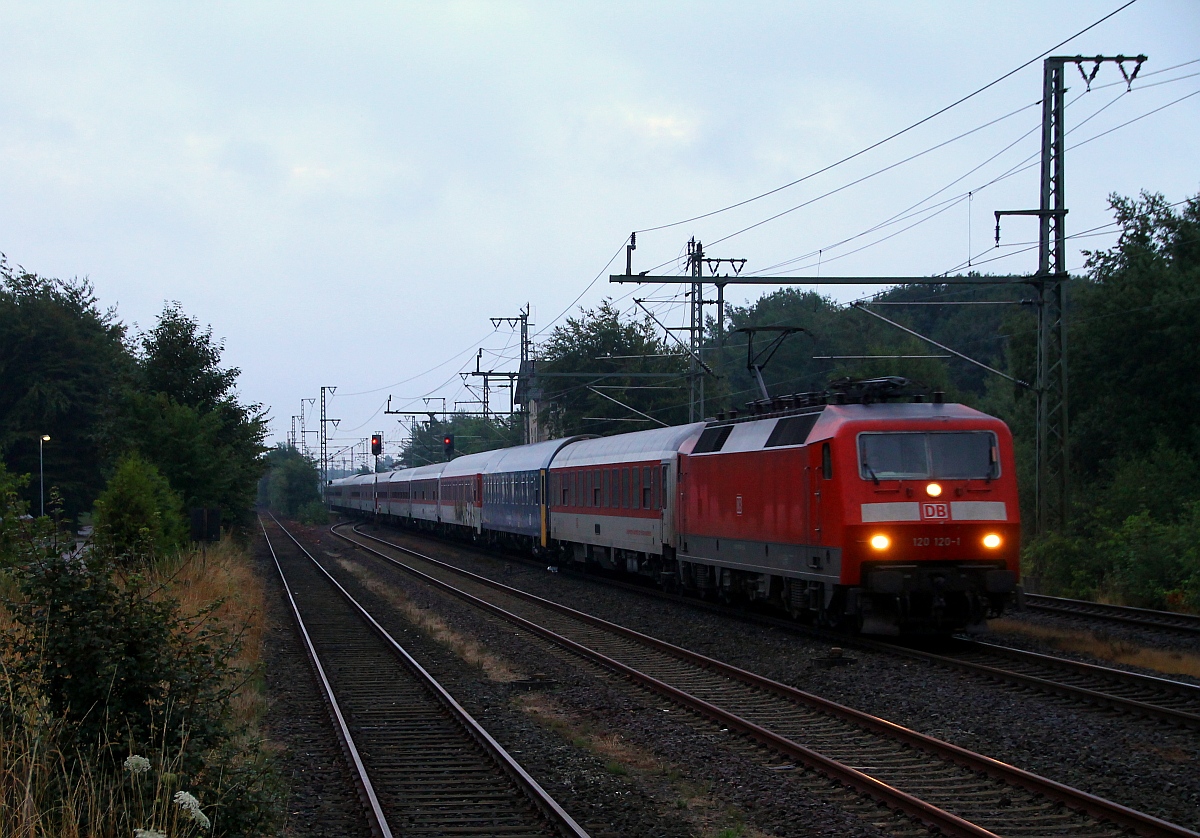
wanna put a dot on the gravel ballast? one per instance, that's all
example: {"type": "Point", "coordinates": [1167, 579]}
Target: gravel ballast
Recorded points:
{"type": "Point", "coordinates": [1142, 764]}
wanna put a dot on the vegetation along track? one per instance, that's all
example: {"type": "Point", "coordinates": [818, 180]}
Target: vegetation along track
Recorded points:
{"type": "Point", "coordinates": [1144, 617]}
{"type": "Point", "coordinates": [422, 764]}
{"type": "Point", "coordinates": [945, 786]}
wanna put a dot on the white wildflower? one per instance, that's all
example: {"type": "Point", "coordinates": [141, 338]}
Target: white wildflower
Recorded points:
{"type": "Point", "coordinates": [148, 833]}
{"type": "Point", "coordinates": [137, 765]}
{"type": "Point", "coordinates": [187, 801]}
{"type": "Point", "coordinates": [192, 806]}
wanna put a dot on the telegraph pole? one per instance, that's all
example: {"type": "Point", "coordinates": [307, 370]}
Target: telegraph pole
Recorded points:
{"type": "Point", "coordinates": [325, 437]}
{"type": "Point", "coordinates": [520, 395]}
{"type": "Point", "coordinates": [1052, 486]}
{"type": "Point", "coordinates": [304, 433]}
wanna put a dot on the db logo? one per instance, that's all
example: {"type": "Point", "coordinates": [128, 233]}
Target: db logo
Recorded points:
{"type": "Point", "coordinates": [934, 510]}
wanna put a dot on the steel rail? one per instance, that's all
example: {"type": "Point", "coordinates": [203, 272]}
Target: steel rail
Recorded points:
{"type": "Point", "coordinates": [541, 799]}
{"type": "Point", "coordinates": [1086, 694]}
{"type": "Point", "coordinates": [377, 821]}
{"type": "Point", "coordinates": [893, 798]}
{"type": "Point", "coordinates": [1082, 694]}
{"type": "Point", "coordinates": [1074, 799]}
{"type": "Point", "coordinates": [1145, 617]}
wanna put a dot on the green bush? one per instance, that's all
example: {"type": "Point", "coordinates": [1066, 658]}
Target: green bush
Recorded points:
{"type": "Point", "coordinates": [291, 483]}
{"type": "Point", "coordinates": [1141, 561]}
{"type": "Point", "coordinates": [138, 515]}
{"type": "Point", "coordinates": [101, 666]}
{"type": "Point", "coordinates": [314, 512]}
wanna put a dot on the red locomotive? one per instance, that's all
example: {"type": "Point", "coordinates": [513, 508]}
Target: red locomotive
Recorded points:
{"type": "Point", "coordinates": [849, 507]}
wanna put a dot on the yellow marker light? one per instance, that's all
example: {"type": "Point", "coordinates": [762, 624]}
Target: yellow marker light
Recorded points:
{"type": "Point", "coordinates": [934, 490]}
{"type": "Point", "coordinates": [991, 541]}
{"type": "Point", "coordinates": [880, 542]}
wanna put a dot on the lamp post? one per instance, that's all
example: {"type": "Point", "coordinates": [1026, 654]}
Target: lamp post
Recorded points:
{"type": "Point", "coordinates": [42, 472]}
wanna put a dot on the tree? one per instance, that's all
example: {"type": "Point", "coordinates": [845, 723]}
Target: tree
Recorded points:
{"type": "Point", "coordinates": [138, 515]}
{"type": "Point", "coordinates": [186, 419]}
{"type": "Point", "coordinates": [601, 340]}
{"type": "Point", "coordinates": [291, 482]}
{"type": "Point", "coordinates": [1135, 435]}
{"type": "Point", "coordinates": [183, 362]}
{"type": "Point", "coordinates": [62, 365]}
{"type": "Point", "coordinates": [1135, 328]}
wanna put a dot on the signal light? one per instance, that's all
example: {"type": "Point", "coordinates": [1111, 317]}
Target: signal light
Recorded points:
{"type": "Point", "coordinates": [880, 542]}
{"type": "Point", "coordinates": [934, 490]}
{"type": "Point", "coordinates": [448, 445]}
{"type": "Point", "coordinates": [376, 444]}
{"type": "Point", "coordinates": [991, 541]}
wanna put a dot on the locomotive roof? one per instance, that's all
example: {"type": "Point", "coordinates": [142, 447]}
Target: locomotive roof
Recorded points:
{"type": "Point", "coordinates": [902, 410]}
{"type": "Point", "coordinates": [803, 426]}
{"type": "Point", "coordinates": [655, 444]}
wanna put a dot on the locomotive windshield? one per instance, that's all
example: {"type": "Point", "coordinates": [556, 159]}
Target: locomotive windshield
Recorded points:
{"type": "Point", "coordinates": [963, 455]}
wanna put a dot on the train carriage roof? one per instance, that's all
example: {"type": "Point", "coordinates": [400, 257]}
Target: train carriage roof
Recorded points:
{"type": "Point", "coordinates": [639, 446]}
{"type": "Point", "coordinates": [528, 457]}
{"type": "Point", "coordinates": [469, 464]}
{"type": "Point", "coordinates": [431, 471]}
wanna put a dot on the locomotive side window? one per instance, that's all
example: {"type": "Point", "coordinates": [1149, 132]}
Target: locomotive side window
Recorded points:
{"type": "Point", "coordinates": [961, 455]}
{"type": "Point", "coordinates": [826, 462]}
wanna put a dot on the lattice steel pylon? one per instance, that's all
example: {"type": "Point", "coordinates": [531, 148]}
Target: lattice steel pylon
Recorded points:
{"type": "Point", "coordinates": [1053, 449]}
{"type": "Point", "coordinates": [1052, 457]}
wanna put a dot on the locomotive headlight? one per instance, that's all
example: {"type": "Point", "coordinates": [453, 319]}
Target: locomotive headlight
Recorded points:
{"type": "Point", "coordinates": [880, 542]}
{"type": "Point", "coordinates": [934, 490]}
{"type": "Point", "coordinates": [991, 541]}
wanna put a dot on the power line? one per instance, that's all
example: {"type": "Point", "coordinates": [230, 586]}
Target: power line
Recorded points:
{"type": "Point", "coordinates": [899, 133]}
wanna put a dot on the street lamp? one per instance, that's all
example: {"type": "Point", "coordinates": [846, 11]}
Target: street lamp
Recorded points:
{"type": "Point", "coordinates": [42, 473]}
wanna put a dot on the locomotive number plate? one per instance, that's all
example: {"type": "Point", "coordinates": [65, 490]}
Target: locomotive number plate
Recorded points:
{"type": "Point", "coordinates": [925, 541]}
{"type": "Point", "coordinates": [935, 511]}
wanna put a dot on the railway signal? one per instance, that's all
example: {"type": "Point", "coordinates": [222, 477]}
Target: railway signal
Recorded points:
{"type": "Point", "coordinates": [376, 444]}
{"type": "Point", "coordinates": [448, 445]}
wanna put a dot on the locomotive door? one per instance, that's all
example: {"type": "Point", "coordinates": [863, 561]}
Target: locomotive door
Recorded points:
{"type": "Point", "coordinates": [812, 490]}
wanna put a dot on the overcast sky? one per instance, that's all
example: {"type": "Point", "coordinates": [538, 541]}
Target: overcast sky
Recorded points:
{"type": "Point", "coordinates": [347, 192]}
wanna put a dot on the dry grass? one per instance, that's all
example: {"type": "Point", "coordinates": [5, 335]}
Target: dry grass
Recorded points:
{"type": "Point", "coordinates": [1104, 647]}
{"type": "Point", "coordinates": [469, 649]}
{"type": "Point", "coordinates": [45, 795]}
{"type": "Point", "coordinates": [224, 572]}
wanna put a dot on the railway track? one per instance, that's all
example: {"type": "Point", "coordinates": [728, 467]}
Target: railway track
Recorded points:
{"type": "Point", "coordinates": [944, 786]}
{"type": "Point", "coordinates": [1144, 617]}
{"type": "Point", "coordinates": [1175, 702]}
{"type": "Point", "coordinates": [422, 765]}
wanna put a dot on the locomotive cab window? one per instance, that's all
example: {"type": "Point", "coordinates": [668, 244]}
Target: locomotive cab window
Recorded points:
{"type": "Point", "coordinates": [949, 455]}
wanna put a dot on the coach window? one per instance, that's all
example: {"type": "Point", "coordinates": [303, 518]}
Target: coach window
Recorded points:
{"type": "Point", "coordinates": [826, 462]}
{"type": "Point", "coordinates": [646, 488]}
{"type": "Point", "coordinates": [624, 488]}
{"type": "Point", "coordinates": [606, 488]}
{"type": "Point", "coordinates": [635, 493]}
